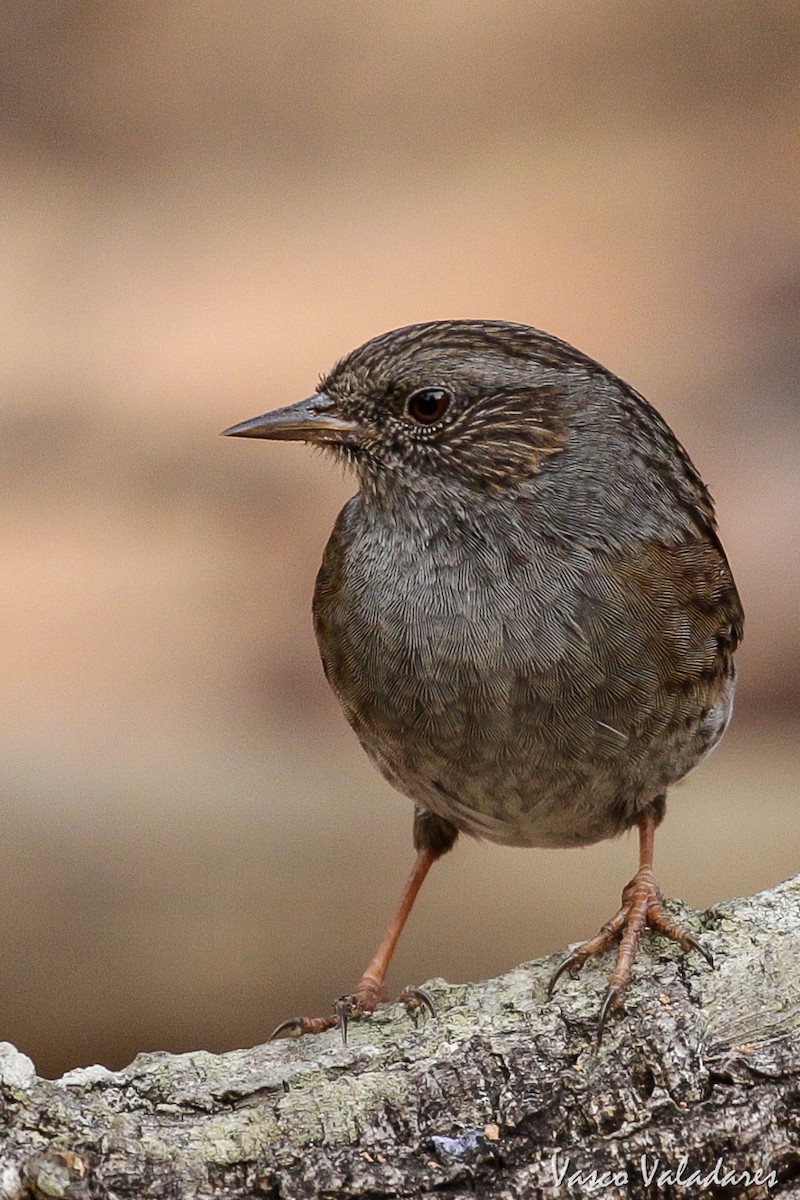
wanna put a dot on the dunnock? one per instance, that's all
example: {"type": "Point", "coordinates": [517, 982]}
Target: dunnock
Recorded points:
{"type": "Point", "coordinates": [525, 611]}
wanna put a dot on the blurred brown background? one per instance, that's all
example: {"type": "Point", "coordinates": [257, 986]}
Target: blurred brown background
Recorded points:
{"type": "Point", "coordinates": [203, 206]}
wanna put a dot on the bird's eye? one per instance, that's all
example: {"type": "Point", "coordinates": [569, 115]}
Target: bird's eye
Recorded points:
{"type": "Point", "coordinates": [428, 405]}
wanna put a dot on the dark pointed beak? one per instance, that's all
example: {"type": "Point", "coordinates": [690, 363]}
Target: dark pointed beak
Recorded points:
{"type": "Point", "coordinates": [312, 420]}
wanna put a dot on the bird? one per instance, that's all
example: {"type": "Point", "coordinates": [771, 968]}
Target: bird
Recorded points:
{"type": "Point", "coordinates": [525, 610]}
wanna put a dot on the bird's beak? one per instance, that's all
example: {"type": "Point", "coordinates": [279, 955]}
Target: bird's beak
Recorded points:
{"type": "Point", "coordinates": [312, 420]}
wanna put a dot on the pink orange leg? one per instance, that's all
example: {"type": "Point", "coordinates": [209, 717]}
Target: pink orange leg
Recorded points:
{"type": "Point", "coordinates": [642, 908]}
{"type": "Point", "coordinates": [370, 991]}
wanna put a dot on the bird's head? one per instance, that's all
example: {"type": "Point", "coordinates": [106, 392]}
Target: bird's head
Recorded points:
{"type": "Point", "coordinates": [479, 402]}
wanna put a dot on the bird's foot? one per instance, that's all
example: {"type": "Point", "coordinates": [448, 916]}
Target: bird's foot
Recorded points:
{"type": "Point", "coordinates": [642, 908]}
{"type": "Point", "coordinates": [360, 1003]}
{"type": "Point", "coordinates": [295, 1027]}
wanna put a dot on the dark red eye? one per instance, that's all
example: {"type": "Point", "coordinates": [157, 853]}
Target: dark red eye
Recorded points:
{"type": "Point", "coordinates": [428, 405]}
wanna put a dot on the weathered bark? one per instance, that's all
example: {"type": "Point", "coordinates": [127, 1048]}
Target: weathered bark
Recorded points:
{"type": "Point", "coordinates": [703, 1064]}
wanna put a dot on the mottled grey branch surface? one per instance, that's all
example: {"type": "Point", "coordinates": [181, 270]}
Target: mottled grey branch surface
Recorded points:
{"type": "Point", "coordinates": [695, 1091]}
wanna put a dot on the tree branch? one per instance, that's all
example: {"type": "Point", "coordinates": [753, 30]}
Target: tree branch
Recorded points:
{"type": "Point", "coordinates": [502, 1094]}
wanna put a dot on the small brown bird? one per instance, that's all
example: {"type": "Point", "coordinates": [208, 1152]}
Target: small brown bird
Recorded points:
{"type": "Point", "coordinates": [525, 611]}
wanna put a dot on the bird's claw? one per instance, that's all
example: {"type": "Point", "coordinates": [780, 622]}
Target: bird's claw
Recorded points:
{"type": "Point", "coordinates": [352, 1008]}
{"type": "Point", "coordinates": [572, 963]}
{"type": "Point", "coordinates": [416, 1000]}
{"type": "Point", "coordinates": [693, 944]}
{"type": "Point", "coordinates": [295, 1027]}
{"type": "Point", "coordinates": [611, 1000]}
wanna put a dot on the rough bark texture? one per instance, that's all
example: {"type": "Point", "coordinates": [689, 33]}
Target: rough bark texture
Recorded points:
{"type": "Point", "coordinates": [477, 1102]}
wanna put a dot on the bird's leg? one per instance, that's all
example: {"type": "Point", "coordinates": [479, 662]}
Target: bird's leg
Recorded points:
{"type": "Point", "coordinates": [370, 990]}
{"type": "Point", "coordinates": [433, 837]}
{"type": "Point", "coordinates": [642, 907]}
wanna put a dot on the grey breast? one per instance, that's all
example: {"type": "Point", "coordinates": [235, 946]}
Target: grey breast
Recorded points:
{"type": "Point", "coordinates": [496, 679]}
